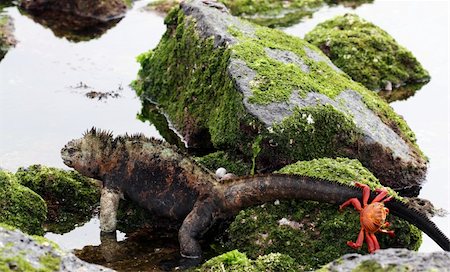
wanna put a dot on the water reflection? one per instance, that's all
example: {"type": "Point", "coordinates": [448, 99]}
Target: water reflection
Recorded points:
{"type": "Point", "coordinates": [73, 28]}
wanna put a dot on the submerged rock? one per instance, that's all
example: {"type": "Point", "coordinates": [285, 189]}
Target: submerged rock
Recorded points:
{"type": "Point", "coordinates": [75, 20]}
{"type": "Point", "coordinates": [20, 252]}
{"type": "Point", "coordinates": [100, 10]}
{"type": "Point", "coordinates": [393, 259]}
{"type": "Point", "coordinates": [369, 55]}
{"type": "Point", "coordinates": [271, 13]}
{"type": "Point", "coordinates": [307, 230]}
{"type": "Point", "coordinates": [227, 83]}
{"type": "Point", "coordinates": [19, 206]}
{"type": "Point", "coordinates": [71, 198]}
{"type": "Point", "coordinates": [6, 35]}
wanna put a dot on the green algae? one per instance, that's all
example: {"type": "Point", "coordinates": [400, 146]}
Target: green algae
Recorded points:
{"type": "Point", "coordinates": [20, 207]}
{"type": "Point", "coordinates": [178, 64]}
{"type": "Point", "coordinates": [273, 12]}
{"type": "Point", "coordinates": [276, 81]}
{"type": "Point", "coordinates": [311, 239]}
{"type": "Point", "coordinates": [367, 53]}
{"type": "Point", "coordinates": [231, 163]}
{"type": "Point", "coordinates": [343, 170]}
{"type": "Point", "coordinates": [237, 261]}
{"type": "Point", "coordinates": [70, 197]}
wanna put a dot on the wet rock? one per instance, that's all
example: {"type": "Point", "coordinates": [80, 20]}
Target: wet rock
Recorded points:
{"type": "Point", "coordinates": [6, 35]}
{"type": "Point", "coordinates": [19, 206]}
{"type": "Point", "coordinates": [369, 55]}
{"type": "Point", "coordinates": [306, 230]}
{"type": "Point", "coordinates": [102, 11]}
{"type": "Point", "coordinates": [71, 198]}
{"type": "Point", "coordinates": [238, 86]}
{"type": "Point", "coordinates": [20, 252]}
{"type": "Point", "coordinates": [75, 20]}
{"type": "Point", "coordinates": [393, 259]}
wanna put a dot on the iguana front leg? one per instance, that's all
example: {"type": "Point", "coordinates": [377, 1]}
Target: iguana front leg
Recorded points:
{"type": "Point", "coordinates": [109, 204]}
{"type": "Point", "coordinates": [196, 223]}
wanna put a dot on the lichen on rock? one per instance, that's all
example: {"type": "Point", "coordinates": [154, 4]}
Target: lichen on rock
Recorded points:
{"type": "Point", "coordinates": [21, 252]}
{"type": "Point", "coordinates": [393, 259]}
{"type": "Point", "coordinates": [369, 55]}
{"type": "Point", "coordinates": [226, 83]}
{"type": "Point", "coordinates": [71, 198]}
{"type": "Point", "coordinates": [20, 207]}
{"type": "Point", "coordinates": [306, 230]}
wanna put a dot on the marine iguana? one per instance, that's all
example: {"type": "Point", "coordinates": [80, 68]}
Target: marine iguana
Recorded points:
{"type": "Point", "coordinates": [159, 178]}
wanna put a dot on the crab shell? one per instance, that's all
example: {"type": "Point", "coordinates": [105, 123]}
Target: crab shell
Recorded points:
{"type": "Point", "coordinates": [373, 217]}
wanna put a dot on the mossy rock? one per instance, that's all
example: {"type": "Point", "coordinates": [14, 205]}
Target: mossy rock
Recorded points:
{"type": "Point", "coordinates": [6, 34]}
{"type": "Point", "coordinates": [237, 261]}
{"type": "Point", "coordinates": [270, 13]}
{"type": "Point", "coordinates": [20, 207]}
{"type": "Point", "coordinates": [270, 97]}
{"type": "Point", "coordinates": [369, 55]}
{"type": "Point", "coordinates": [310, 232]}
{"type": "Point", "coordinates": [391, 260]}
{"type": "Point", "coordinates": [70, 197]}
{"type": "Point", "coordinates": [21, 252]}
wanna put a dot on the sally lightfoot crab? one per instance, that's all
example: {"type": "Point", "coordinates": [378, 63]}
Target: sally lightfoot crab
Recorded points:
{"type": "Point", "coordinates": [372, 217]}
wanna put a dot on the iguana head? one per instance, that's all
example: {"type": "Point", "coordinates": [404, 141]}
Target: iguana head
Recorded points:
{"type": "Point", "coordinates": [88, 154]}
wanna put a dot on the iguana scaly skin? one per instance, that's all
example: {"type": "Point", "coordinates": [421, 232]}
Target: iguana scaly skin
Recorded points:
{"type": "Point", "coordinates": [157, 177]}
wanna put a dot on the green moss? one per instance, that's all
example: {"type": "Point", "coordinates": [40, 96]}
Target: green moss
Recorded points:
{"type": "Point", "coordinates": [276, 81]}
{"type": "Point", "coordinates": [367, 53]}
{"type": "Point", "coordinates": [178, 64]}
{"type": "Point", "coordinates": [272, 12]}
{"type": "Point", "coordinates": [312, 241]}
{"type": "Point", "coordinates": [313, 132]}
{"type": "Point", "coordinates": [218, 159]}
{"type": "Point", "coordinates": [20, 207]}
{"type": "Point", "coordinates": [71, 197]}
{"type": "Point", "coordinates": [343, 170]}
{"type": "Point", "coordinates": [237, 261]}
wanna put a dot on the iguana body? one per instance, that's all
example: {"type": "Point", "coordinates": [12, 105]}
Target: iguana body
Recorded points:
{"type": "Point", "coordinates": [166, 183]}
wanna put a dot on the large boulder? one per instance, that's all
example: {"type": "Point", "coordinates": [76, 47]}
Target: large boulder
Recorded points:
{"type": "Point", "coordinates": [71, 198]}
{"type": "Point", "coordinates": [229, 84]}
{"type": "Point", "coordinates": [21, 252]}
{"type": "Point", "coordinates": [369, 55]}
{"type": "Point", "coordinates": [19, 206]}
{"type": "Point", "coordinates": [393, 259]}
{"type": "Point", "coordinates": [307, 230]}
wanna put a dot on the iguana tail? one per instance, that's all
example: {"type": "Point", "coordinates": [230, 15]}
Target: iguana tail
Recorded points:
{"type": "Point", "coordinates": [254, 190]}
{"type": "Point", "coordinates": [419, 220]}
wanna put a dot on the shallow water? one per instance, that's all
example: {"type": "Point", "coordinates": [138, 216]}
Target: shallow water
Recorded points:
{"type": "Point", "coordinates": [43, 105]}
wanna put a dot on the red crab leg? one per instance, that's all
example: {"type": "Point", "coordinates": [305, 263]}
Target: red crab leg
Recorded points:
{"type": "Point", "coordinates": [359, 241]}
{"type": "Point", "coordinates": [370, 242]}
{"type": "Point", "coordinates": [375, 241]}
{"type": "Point", "coordinates": [388, 232]}
{"type": "Point", "coordinates": [381, 195]}
{"type": "Point", "coordinates": [366, 192]}
{"type": "Point", "coordinates": [354, 201]}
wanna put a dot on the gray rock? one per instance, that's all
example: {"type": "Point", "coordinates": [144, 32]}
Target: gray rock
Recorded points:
{"type": "Point", "coordinates": [22, 252]}
{"type": "Point", "coordinates": [396, 259]}
{"type": "Point", "coordinates": [378, 137]}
